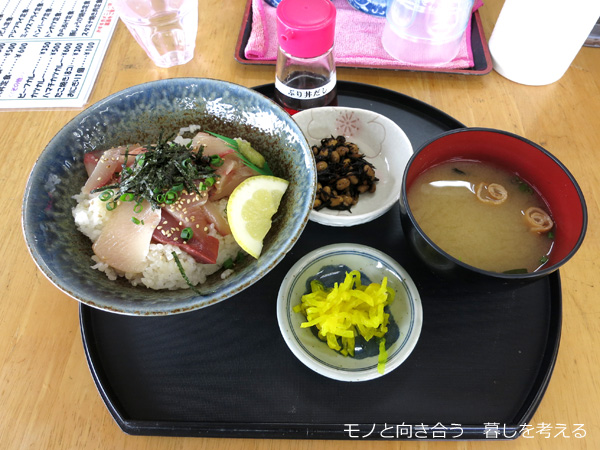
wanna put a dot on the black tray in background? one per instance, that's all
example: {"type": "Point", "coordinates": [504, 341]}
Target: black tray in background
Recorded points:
{"type": "Point", "coordinates": [483, 361]}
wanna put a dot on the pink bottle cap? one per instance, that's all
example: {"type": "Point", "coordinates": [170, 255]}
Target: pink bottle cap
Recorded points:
{"type": "Point", "coordinates": [306, 28]}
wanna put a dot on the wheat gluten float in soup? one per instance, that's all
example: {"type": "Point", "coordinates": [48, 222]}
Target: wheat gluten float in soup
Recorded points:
{"type": "Point", "coordinates": [484, 216]}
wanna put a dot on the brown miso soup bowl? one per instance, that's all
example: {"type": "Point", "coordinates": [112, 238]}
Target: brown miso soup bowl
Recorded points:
{"type": "Point", "coordinates": [513, 153]}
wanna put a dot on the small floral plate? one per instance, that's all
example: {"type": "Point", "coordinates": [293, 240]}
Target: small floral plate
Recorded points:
{"type": "Point", "coordinates": [381, 140]}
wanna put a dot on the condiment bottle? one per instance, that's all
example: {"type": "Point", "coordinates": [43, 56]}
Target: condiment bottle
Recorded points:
{"type": "Point", "coordinates": [305, 72]}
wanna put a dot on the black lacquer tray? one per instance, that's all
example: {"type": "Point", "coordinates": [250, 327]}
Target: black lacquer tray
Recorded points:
{"type": "Point", "coordinates": [479, 370]}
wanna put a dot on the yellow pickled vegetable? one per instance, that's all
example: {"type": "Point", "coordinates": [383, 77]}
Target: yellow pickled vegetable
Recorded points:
{"type": "Point", "coordinates": [347, 310]}
{"type": "Point", "coordinates": [382, 357]}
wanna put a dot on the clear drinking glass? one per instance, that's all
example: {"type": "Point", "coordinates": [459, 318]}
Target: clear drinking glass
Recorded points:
{"type": "Point", "coordinates": [165, 29]}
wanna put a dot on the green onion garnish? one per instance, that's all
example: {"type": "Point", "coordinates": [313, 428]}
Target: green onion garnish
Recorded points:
{"type": "Point", "coordinates": [523, 186]}
{"type": "Point", "coordinates": [187, 233]}
{"type": "Point", "coordinates": [171, 197]}
{"type": "Point", "coordinates": [126, 197]}
{"type": "Point", "coordinates": [230, 263]}
{"type": "Point", "coordinates": [138, 208]}
{"type": "Point", "coordinates": [216, 160]}
{"type": "Point", "coordinates": [106, 195]}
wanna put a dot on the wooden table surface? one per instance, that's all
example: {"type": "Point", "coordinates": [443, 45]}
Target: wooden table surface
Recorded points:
{"type": "Point", "coordinates": [47, 397]}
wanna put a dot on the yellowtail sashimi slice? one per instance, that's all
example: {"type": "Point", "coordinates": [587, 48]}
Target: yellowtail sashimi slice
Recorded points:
{"type": "Point", "coordinates": [125, 239]}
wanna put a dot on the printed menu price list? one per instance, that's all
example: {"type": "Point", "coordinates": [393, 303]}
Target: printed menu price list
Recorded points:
{"type": "Point", "coordinates": [51, 51]}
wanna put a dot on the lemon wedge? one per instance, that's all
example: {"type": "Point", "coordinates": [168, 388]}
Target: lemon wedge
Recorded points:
{"type": "Point", "coordinates": [250, 208]}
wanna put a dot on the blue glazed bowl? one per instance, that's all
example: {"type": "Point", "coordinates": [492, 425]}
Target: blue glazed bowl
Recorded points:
{"type": "Point", "coordinates": [372, 7]}
{"type": "Point", "coordinates": [139, 114]}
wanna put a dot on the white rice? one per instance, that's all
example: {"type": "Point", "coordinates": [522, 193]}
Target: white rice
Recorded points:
{"type": "Point", "coordinates": [161, 271]}
{"type": "Point", "coordinates": [179, 139]}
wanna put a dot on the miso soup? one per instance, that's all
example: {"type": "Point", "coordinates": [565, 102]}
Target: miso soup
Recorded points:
{"type": "Point", "coordinates": [483, 216]}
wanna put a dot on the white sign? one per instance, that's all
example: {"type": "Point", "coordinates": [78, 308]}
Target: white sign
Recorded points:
{"type": "Point", "coordinates": [51, 51]}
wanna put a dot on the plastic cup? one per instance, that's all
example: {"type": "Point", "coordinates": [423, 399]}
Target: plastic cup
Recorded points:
{"type": "Point", "coordinates": [534, 42]}
{"type": "Point", "coordinates": [424, 32]}
{"type": "Point", "coordinates": [165, 29]}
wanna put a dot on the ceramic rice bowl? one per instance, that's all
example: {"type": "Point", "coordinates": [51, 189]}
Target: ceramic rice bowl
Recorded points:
{"type": "Point", "coordinates": [140, 114]}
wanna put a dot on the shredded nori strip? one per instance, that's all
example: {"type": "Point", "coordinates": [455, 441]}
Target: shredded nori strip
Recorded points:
{"type": "Point", "coordinates": [159, 175]}
{"type": "Point", "coordinates": [165, 168]}
{"type": "Point", "coordinates": [184, 275]}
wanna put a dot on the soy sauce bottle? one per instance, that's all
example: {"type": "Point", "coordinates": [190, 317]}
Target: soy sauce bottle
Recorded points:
{"type": "Point", "coordinates": [305, 71]}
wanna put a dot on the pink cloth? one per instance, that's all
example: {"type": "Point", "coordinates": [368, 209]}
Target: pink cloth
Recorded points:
{"type": "Point", "coordinates": [357, 39]}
